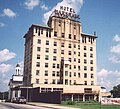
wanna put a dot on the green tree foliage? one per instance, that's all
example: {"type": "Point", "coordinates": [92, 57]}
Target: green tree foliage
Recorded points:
{"type": "Point", "coordinates": [3, 95]}
{"type": "Point", "coordinates": [116, 91]}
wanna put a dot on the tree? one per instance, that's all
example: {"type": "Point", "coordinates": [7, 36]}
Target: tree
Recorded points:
{"type": "Point", "coordinates": [116, 91]}
{"type": "Point", "coordinates": [4, 95]}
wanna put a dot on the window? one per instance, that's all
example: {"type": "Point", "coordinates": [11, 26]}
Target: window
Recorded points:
{"type": "Point", "coordinates": [38, 64]}
{"type": "Point", "coordinates": [41, 30]}
{"type": "Point", "coordinates": [47, 50]}
{"type": "Point", "coordinates": [92, 76]}
{"type": "Point", "coordinates": [54, 58]}
{"type": "Point", "coordinates": [36, 30]}
{"type": "Point", "coordinates": [74, 36]}
{"type": "Point", "coordinates": [85, 75]}
{"type": "Point", "coordinates": [69, 53]}
{"type": "Point", "coordinates": [53, 81]}
{"type": "Point", "coordinates": [74, 59]}
{"type": "Point", "coordinates": [54, 50]}
{"type": "Point", "coordinates": [74, 66]}
{"type": "Point", "coordinates": [62, 51]}
{"type": "Point", "coordinates": [70, 82]}
{"type": "Point", "coordinates": [55, 43]}
{"type": "Point", "coordinates": [46, 33]}
{"type": "Point", "coordinates": [46, 81]}
{"type": "Point", "coordinates": [85, 55]}
{"type": "Point", "coordinates": [78, 67]}
{"type": "Point", "coordinates": [85, 82]}
{"type": "Point", "coordinates": [38, 48]}
{"type": "Point", "coordinates": [53, 73]}
{"type": "Point", "coordinates": [74, 82]}
{"type": "Point", "coordinates": [58, 81]}
{"type": "Point", "coordinates": [85, 48]}
{"type": "Point", "coordinates": [69, 59]}
{"type": "Point", "coordinates": [37, 81]}
{"type": "Point", "coordinates": [46, 57]}
{"type": "Point", "coordinates": [91, 48]}
{"type": "Point", "coordinates": [91, 61]}
{"type": "Point", "coordinates": [46, 72]}
{"type": "Point", "coordinates": [85, 67]}
{"type": "Point", "coordinates": [74, 52]}
{"type": "Point", "coordinates": [74, 73]}
{"type": "Point", "coordinates": [39, 41]}
{"type": "Point", "coordinates": [85, 61]}
{"type": "Point", "coordinates": [62, 58]}
{"type": "Point", "coordinates": [91, 55]}
{"type": "Point", "coordinates": [79, 75]}
{"type": "Point", "coordinates": [78, 47]}
{"type": "Point", "coordinates": [92, 82]}
{"type": "Point", "coordinates": [38, 56]}
{"type": "Point", "coordinates": [66, 73]}
{"type": "Point", "coordinates": [37, 72]}
{"type": "Point", "coordinates": [58, 74]}
{"type": "Point", "coordinates": [63, 35]}
{"type": "Point", "coordinates": [53, 65]}
{"type": "Point", "coordinates": [69, 46]}
{"type": "Point", "coordinates": [58, 65]}
{"type": "Point", "coordinates": [66, 81]}
{"type": "Point", "coordinates": [78, 53]}
{"type": "Point", "coordinates": [69, 36]}
{"type": "Point", "coordinates": [78, 60]}
{"type": "Point", "coordinates": [47, 42]}
{"type": "Point", "coordinates": [70, 67]}
{"type": "Point", "coordinates": [39, 33]}
{"type": "Point", "coordinates": [46, 64]}
{"type": "Point", "coordinates": [70, 74]}
{"type": "Point", "coordinates": [74, 45]}
{"type": "Point", "coordinates": [62, 44]}
{"type": "Point", "coordinates": [55, 33]}
{"type": "Point", "coordinates": [91, 68]}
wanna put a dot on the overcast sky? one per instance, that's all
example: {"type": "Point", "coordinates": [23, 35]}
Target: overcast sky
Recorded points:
{"type": "Point", "coordinates": [102, 16]}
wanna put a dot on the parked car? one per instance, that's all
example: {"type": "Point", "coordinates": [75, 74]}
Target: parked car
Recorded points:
{"type": "Point", "coordinates": [13, 100]}
{"type": "Point", "coordinates": [21, 100]}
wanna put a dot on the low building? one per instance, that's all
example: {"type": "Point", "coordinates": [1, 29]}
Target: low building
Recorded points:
{"type": "Point", "coordinates": [15, 81]}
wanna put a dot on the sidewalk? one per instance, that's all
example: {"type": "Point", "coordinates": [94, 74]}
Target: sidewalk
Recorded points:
{"type": "Point", "coordinates": [54, 106]}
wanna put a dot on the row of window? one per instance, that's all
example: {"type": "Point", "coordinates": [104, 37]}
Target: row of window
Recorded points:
{"type": "Point", "coordinates": [70, 67]}
{"type": "Point", "coordinates": [90, 39]}
{"type": "Point", "coordinates": [62, 52]}
{"type": "Point", "coordinates": [63, 35]}
{"type": "Point", "coordinates": [62, 45]}
{"type": "Point", "coordinates": [57, 73]}
{"type": "Point", "coordinates": [54, 81]}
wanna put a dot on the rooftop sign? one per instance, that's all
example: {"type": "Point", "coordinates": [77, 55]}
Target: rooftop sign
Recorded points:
{"type": "Point", "coordinates": [66, 12]}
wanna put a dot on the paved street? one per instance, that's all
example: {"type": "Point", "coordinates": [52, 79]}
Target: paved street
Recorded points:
{"type": "Point", "coordinates": [4, 105]}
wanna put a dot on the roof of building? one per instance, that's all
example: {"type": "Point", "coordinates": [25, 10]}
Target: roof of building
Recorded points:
{"type": "Point", "coordinates": [89, 35]}
{"type": "Point", "coordinates": [18, 65]}
{"type": "Point", "coordinates": [43, 26]}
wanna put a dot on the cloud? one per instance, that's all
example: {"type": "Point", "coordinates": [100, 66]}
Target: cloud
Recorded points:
{"type": "Point", "coordinates": [6, 55]}
{"type": "Point", "coordinates": [115, 59]}
{"type": "Point", "coordinates": [2, 24]}
{"type": "Point", "coordinates": [5, 68]}
{"type": "Point", "coordinates": [116, 38]}
{"type": "Point", "coordinates": [30, 4]}
{"type": "Point", "coordinates": [115, 49]}
{"type": "Point", "coordinates": [75, 4]}
{"type": "Point", "coordinates": [103, 73]}
{"type": "Point", "coordinates": [44, 7]}
{"type": "Point", "coordinates": [108, 78]}
{"type": "Point", "coordinates": [9, 13]}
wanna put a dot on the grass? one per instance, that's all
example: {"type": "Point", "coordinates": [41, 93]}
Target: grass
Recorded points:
{"type": "Point", "coordinates": [89, 105]}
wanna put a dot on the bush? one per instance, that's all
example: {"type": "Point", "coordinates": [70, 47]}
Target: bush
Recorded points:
{"type": "Point", "coordinates": [70, 102]}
